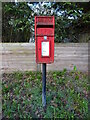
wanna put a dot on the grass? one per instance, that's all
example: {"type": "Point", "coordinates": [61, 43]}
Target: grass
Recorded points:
{"type": "Point", "coordinates": [66, 95]}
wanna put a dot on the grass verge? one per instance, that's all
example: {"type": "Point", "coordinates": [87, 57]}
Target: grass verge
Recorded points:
{"type": "Point", "coordinates": [66, 95]}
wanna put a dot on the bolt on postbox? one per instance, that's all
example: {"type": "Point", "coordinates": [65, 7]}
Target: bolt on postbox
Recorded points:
{"type": "Point", "coordinates": [44, 39]}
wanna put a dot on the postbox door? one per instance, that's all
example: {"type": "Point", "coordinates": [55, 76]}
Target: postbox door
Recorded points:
{"type": "Point", "coordinates": [45, 50]}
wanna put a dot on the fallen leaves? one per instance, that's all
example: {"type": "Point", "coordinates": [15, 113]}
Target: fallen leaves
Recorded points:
{"type": "Point", "coordinates": [64, 93]}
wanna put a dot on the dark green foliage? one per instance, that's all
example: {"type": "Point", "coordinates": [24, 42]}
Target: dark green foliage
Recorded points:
{"type": "Point", "coordinates": [71, 19]}
{"type": "Point", "coordinates": [66, 95]}
{"type": "Point", "coordinates": [16, 21]}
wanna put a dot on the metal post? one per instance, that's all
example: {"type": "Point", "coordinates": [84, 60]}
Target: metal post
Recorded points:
{"type": "Point", "coordinates": [44, 84]}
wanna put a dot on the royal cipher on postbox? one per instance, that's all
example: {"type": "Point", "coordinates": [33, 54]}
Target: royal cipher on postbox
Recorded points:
{"type": "Point", "coordinates": [44, 39]}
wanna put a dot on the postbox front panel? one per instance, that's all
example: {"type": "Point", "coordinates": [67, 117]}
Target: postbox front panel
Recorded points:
{"type": "Point", "coordinates": [44, 40]}
{"type": "Point", "coordinates": [45, 53]}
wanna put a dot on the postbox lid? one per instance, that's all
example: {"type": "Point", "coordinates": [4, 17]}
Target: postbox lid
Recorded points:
{"type": "Point", "coordinates": [45, 20]}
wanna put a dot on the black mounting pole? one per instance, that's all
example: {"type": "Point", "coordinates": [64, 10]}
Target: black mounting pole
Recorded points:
{"type": "Point", "coordinates": [44, 84]}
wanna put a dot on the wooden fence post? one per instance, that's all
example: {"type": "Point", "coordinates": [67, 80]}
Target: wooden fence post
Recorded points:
{"type": "Point", "coordinates": [39, 67]}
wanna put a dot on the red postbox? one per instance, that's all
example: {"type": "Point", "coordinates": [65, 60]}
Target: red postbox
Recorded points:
{"type": "Point", "coordinates": [44, 39]}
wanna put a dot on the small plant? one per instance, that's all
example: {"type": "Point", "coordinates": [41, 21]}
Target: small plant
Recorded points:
{"type": "Point", "coordinates": [75, 68]}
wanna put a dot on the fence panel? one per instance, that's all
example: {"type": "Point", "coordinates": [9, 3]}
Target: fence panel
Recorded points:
{"type": "Point", "coordinates": [21, 56]}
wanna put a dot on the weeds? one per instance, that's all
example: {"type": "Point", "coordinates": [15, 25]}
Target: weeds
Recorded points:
{"type": "Point", "coordinates": [66, 95]}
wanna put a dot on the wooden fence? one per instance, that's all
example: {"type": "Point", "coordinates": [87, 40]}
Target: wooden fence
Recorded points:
{"type": "Point", "coordinates": [21, 56]}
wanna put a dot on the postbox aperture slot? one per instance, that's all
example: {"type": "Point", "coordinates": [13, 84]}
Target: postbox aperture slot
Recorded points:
{"type": "Point", "coordinates": [45, 26]}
